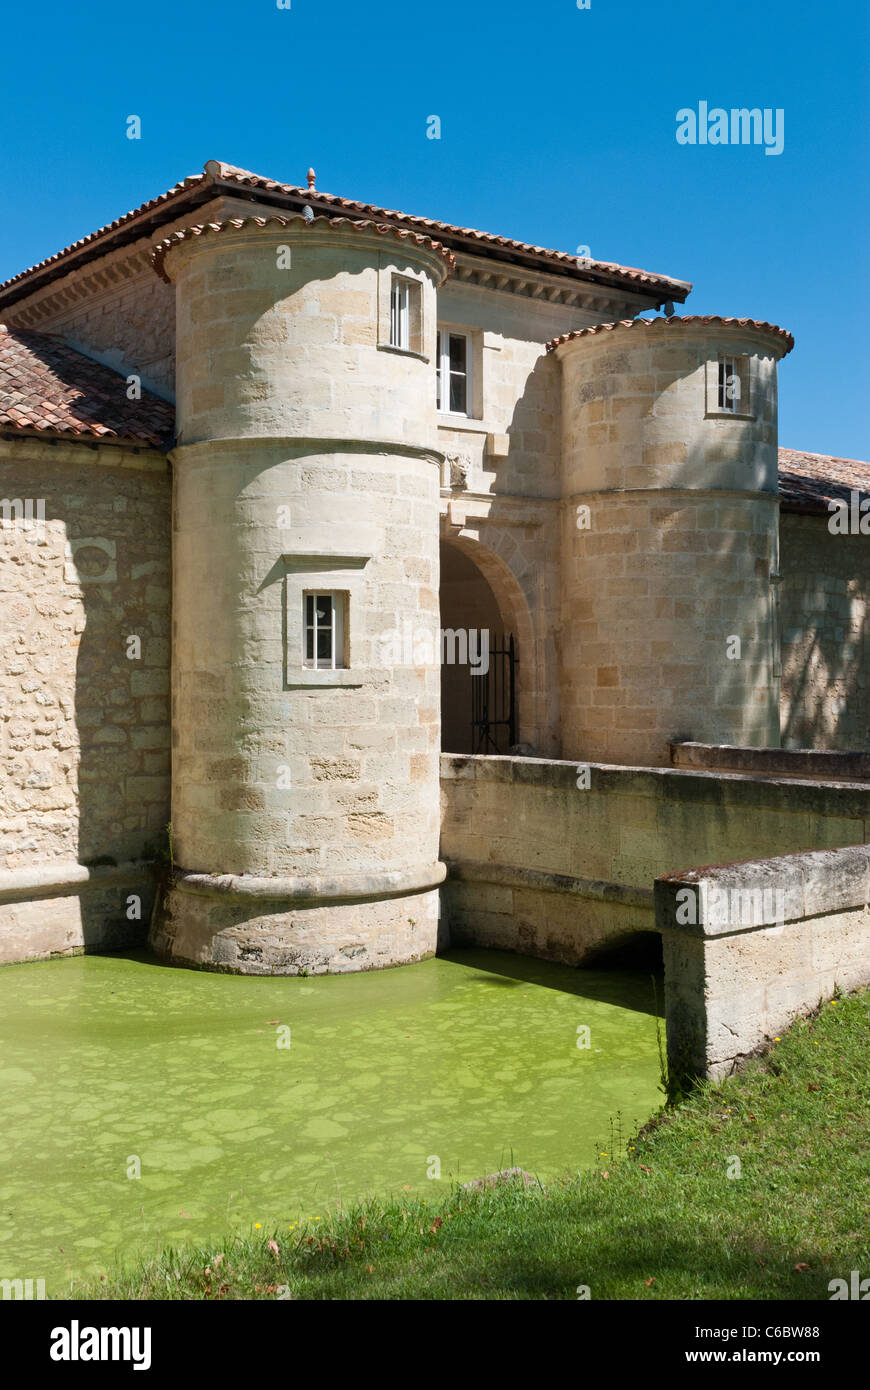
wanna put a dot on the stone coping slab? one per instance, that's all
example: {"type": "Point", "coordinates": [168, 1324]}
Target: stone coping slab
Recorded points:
{"type": "Point", "coordinates": [733, 789]}
{"type": "Point", "coordinates": [826, 764]}
{"type": "Point", "coordinates": [511, 876]}
{"type": "Point", "coordinates": [754, 893]}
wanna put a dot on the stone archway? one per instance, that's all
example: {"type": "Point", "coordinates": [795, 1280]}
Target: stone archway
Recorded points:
{"type": "Point", "coordinates": [478, 590]}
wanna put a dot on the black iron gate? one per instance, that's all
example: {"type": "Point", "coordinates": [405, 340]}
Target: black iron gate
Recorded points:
{"type": "Point", "coordinates": [494, 700]}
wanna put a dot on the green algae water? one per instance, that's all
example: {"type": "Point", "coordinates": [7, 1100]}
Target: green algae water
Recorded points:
{"type": "Point", "coordinates": [246, 1100]}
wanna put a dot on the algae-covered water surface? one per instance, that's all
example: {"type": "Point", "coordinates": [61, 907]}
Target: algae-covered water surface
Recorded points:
{"type": "Point", "coordinates": [144, 1105]}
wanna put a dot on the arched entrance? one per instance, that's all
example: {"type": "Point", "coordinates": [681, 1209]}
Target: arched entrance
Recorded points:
{"type": "Point", "coordinates": [480, 659]}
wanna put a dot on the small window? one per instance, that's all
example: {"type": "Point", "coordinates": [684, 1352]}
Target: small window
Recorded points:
{"type": "Point", "coordinates": [730, 384]}
{"type": "Point", "coordinates": [324, 631]}
{"type": "Point", "coordinates": [400, 313]}
{"type": "Point", "coordinates": [454, 372]}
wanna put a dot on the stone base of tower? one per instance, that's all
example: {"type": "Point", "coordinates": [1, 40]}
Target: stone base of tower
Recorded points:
{"type": "Point", "coordinates": [249, 926]}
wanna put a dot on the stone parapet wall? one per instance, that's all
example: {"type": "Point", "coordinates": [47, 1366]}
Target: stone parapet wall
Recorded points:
{"type": "Point", "coordinates": [750, 946]}
{"type": "Point", "coordinates": [773, 762]}
{"type": "Point", "coordinates": [540, 865]}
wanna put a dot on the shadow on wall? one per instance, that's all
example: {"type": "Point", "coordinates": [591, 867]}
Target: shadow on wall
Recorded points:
{"type": "Point", "coordinates": [86, 682]}
{"type": "Point", "coordinates": [825, 636]}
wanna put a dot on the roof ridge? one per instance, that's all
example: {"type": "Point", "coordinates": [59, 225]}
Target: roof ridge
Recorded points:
{"type": "Point", "coordinates": [215, 171]}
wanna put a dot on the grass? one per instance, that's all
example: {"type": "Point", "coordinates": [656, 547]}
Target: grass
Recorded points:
{"type": "Point", "coordinates": [661, 1220]}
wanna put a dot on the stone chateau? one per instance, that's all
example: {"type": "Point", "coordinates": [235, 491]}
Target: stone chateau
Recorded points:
{"type": "Point", "coordinates": [267, 454]}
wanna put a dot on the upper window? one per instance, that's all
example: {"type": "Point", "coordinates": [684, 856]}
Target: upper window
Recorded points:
{"type": "Point", "coordinates": [323, 637]}
{"type": "Point", "coordinates": [406, 314]}
{"type": "Point", "coordinates": [729, 384]}
{"type": "Point", "coordinates": [732, 385]}
{"type": "Point", "coordinates": [454, 372]}
{"type": "Point", "coordinates": [400, 313]}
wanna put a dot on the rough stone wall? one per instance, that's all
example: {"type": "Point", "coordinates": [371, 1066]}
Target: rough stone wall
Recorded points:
{"type": "Point", "coordinates": [825, 625]}
{"type": "Point", "coordinates": [84, 731]}
{"type": "Point", "coordinates": [543, 866]}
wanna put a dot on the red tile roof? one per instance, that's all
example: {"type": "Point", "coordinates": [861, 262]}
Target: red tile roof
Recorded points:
{"type": "Point", "coordinates": [675, 319]}
{"type": "Point", "coordinates": [807, 482]}
{"type": "Point", "coordinates": [218, 177]}
{"type": "Point", "coordinates": [158, 255]}
{"type": "Point", "coordinates": [428, 224]}
{"type": "Point", "coordinates": [47, 386]}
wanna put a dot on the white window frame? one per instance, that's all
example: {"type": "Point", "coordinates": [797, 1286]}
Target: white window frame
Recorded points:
{"type": "Point", "coordinates": [445, 333]}
{"type": "Point", "coordinates": [337, 659]}
{"type": "Point", "coordinates": [400, 313]}
{"type": "Point", "coordinates": [729, 370]}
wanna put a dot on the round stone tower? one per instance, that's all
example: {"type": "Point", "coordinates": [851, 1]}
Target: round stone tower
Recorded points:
{"type": "Point", "coordinates": [305, 794]}
{"type": "Point", "coordinates": [669, 536]}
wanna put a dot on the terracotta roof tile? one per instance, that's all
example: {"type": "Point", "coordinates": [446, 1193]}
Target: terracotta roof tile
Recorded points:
{"type": "Point", "coordinates": [158, 255]}
{"type": "Point", "coordinates": [197, 188]}
{"type": "Point", "coordinates": [673, 320]}
{"type": "Point", "coordinates": [807, 482]}
{"type": "Point", "coordinates": [50, 387]}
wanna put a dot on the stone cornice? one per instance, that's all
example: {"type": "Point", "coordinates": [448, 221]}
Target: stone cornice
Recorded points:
{"type": "Point", "coordinates": [99, 282]}
{"type": "Point", "coordinates": [40, 447]}
{"type": "Point", "coordinates": [545, 289]}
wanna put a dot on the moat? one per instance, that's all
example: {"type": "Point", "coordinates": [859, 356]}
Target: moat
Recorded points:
{"type": "Point", "coordinates": [245, 1101]}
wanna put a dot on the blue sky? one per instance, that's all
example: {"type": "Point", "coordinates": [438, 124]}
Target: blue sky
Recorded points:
{"type": "Point", "coordinates": [558, 127]}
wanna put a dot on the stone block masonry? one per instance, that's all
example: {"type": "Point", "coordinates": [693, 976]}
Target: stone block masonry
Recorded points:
{"type": "Point", "coordinates": [307, 463]}
{"type": "Point", "coordinates": [669, 539]}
